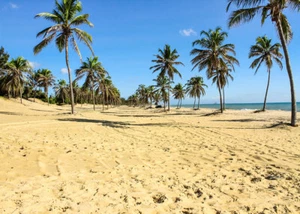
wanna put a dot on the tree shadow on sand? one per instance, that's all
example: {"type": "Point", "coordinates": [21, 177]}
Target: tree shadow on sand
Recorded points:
{"type": "Point", "coordinates": [241, 120]}
{"type": "Point", "coordinates": [113, 124]}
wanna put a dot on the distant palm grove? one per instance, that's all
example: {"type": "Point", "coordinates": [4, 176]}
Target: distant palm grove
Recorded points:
{"type": "Point", "coordinates": [209, 53]}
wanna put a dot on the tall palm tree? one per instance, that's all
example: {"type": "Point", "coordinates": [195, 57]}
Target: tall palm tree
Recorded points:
{"type": "Point", "coordinates": [163, 86]}
{"type": "Point", "coordinates": [214, 56]}
{"type": "Point", "coordinates": [165, 61]}
{"type": "Point", "coordinates": [15, 76]}
{"type": "Point", "coordinates": [61, 90]}
{"type": "Point", "coordinates": [178, 93]}
{"type": "Point", "coordinates": [195, 88]}
{"type": "Point", "coordinates": [273, 9]}
{"type": "Point", "coordinates": [45, 80]}
{"type": "Point", "coordinates": [93, 70]}
{"type": "Point", "coordinates": [265, 53]}
{"type": "Point", "coordinates": [66, 18]}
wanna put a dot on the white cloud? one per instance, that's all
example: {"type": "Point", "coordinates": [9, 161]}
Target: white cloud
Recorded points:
{"type": "Point", "coordinates": [188, 32]}
{"type": "Point", "coordinates": [34, 65]}
{"type": "Point", "coordinates": [64, 70]}
{"type": "Point", "coordinates": [13, 6]}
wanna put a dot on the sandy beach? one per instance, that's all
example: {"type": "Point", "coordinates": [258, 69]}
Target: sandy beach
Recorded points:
{"type": "Point", "coordinates": [132, 160]}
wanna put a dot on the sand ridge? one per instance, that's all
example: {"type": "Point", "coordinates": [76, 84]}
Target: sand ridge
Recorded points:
{"type": "Point", "coordinates": [132, 160]}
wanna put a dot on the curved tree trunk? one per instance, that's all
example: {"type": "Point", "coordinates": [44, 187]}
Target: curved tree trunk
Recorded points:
{"type": "Point", "coordinates": [290, 73]}
{"type": "Point", "coordinates": [266, 95]}
{"type": "Point", "coordinates": [69, 74]}
{"type": "Point", "coordinates": [221, 100]}
{"type": "Point", "coordinates": [194, 103]}
{"type": "Point", "coordinates": [199, 102]}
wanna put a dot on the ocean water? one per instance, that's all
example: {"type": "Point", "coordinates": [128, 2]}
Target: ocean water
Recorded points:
{"type": "Point", "coordinates": [248, 106]}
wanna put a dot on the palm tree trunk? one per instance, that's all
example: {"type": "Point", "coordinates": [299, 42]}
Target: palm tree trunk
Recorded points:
{"type": "Point", "coordinates": [223, 98]}
{"type": "Point", "coordinates": [168, 99]}
{"type": "Point", "coordinates": [266, 95]}
{"type": "Point", "coordinates": [69, 73]}
{"type": "Point", "coordinates": [289, 70]}
{"type": "Point", "coordinates": [46, 90]}
{"type": "Point", "coordinates": [21, 95]}
{"type": "Point", "coordinates": [199, 102]}
{"type": "Point", "coordinates": [151, 102]}
{"type": "Point", "coordinates": [194, 103]}
{"type": "Point", "coordinates": [220, 93]}
{"type": "Point", "coordinates": [180, 103]}
{"type": "Point", "coordinates": [93, 92]}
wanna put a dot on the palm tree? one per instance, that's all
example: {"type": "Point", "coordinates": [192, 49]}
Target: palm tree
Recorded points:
{"type": "Point", "coordinates": [178, 93]}
{"type": "Point", "coordinates": [45, 80]}
{"type": "Point", "coordinates": [61, 90]}
{"type": "Point", "coordinates": [104, 86]}
{"type": "Point", "coordinates": [165, 64]}
{"type": "Point", "coordinates": [222, 76]}
{"type": "Point", "coordinates": [150, 93]}
{"type": "Point", "coordinates": [265, 53]}
{"type": "Point", "coordinates": [15, 77]}
{"type": "Point", "coordinates": [195, 88]}
{"type": "Point", "coordinates": [93, 71]}
{"type": "Point", "coordinates": [274, 10]}
{"type": "Point", "coordinates": [163, 86]}
{"type": "Point", "coordinates": [66, 19]}
{"type": "Point", "coordinates": [215, 56]}
{"type": "Point", "coordinates": [33, 79]}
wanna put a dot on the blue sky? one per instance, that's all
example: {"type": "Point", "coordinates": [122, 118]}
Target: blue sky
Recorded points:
{"type": "Point", "coordinates": [127, 33]}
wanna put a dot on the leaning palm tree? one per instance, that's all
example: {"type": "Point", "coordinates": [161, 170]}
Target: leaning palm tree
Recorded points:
{"type": "Point", "coordinates": [45, 80]}
{"type": "Point", "coordinates": [178, 93]}
{"type": "Point", "coordinates": [214, 55]}
{"type": "Point", "coordinates": [93, 70]}
{"type": "Point", "coordinates": [265, 53]}
{"type": "Point", "coordinates": [273, 9]}
{"type": "Point", "coordinates": [195, 88]}
{"type": "Point", "coordinates": [165, 61]}
{"type": "Point", "coordinates": [15, 76]}
{"type": "Point", "coordinates": [66, 18]}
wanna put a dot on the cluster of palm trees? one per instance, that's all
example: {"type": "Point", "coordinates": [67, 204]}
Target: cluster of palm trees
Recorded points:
{"type": "Point", "coordinates": [194, 88]}
{"type": "Point", "coordinates": [218, 59]}
{"type": "Point", "coordinates": [17, 76]}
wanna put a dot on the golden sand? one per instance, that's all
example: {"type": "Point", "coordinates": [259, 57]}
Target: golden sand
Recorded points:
{"type": "Point", "coordinates": [131, 160]}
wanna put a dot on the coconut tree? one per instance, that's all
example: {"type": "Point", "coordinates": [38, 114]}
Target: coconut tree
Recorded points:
{"type": "Point", "coordinates": [214, 55]}
{"type": "Point", "coordinates": [61, 90]}
{"type": "Point", "coordinates": [163, 86]}
{"type": "Point", "coordinates": [265, 53]}
{"type": "Point", "coordinates": [165, 62]}
{"type": "Point", "coordinates": [150, 93]}
{"type": "Point", "coordinates": [33, 79]}
{"type": "Point", "coordinates": [93, 71]}
{"type": "Point", "coordinates": [15, 76]}
{"type": "Point", "coordinates": [66, 18]}
{"type": "Point", "coordinates": [178, 93]}
{"type": "Point", "coordinates": [273, 9]}
{"type": "Point", "coordinates": [46, 79]}
{"type": "Point", "coordinates": [222, 76]}
{"type": "Point", "coordinates": [195, 88]}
